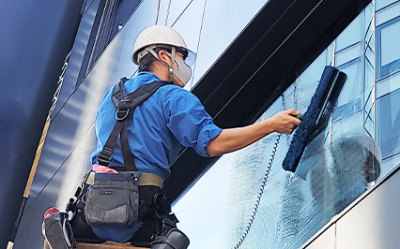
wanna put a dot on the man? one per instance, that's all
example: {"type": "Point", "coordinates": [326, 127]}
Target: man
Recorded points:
{"type": "Point", "coordinates": [169, 119]}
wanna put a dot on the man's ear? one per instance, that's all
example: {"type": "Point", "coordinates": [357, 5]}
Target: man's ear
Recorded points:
{"type": "Point", "coordinates": [164, 57]}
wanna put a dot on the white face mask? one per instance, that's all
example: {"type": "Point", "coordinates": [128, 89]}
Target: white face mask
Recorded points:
{"type": "Point", "coordinates": [183, 72]}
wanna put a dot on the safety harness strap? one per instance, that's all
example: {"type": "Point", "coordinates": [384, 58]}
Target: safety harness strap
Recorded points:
{"type": "Point", "coordinates": [125, 105]}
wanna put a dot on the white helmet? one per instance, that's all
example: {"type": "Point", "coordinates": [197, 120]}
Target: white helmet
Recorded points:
{"type": "Point", "coordinates": [158, 35]}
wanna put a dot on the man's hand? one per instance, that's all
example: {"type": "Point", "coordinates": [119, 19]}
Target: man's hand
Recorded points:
{"type": "Point", "coordinates": [285, 121]}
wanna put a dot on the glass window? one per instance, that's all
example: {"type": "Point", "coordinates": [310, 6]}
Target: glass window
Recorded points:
{"type": "Point", "coordinates": [336, 168]}
{"type": "Point", "coordinates": [369, 79]}
{"type": "Point", "coordinates": [369, 126]}
{"type": "Point", "coordinates": [178, 7]}
{"type": "Point", "coordinates": [387, 14]}
{"type": "Point", "coordinates": [223, 20]}
{"type": "Point", "coordinates": [348, 54]}
{"type": "Point", "coordinates": [123, 12]}
{"type": "Point", "coordinates": [368, 12]}
{"type": "Point", "coordinates": [104, 31]}
{"type": "Point", "coordinates": [144, 16]}
{"type": "Point", "coordinates": [390, 163]}
{"type": "Point", "coordinates": [370, 55]}
{"type": "Point", "coordinates": [352, 34]}
{"type": "Point", "coordinates": [379, 4]}
{"type": "Point", "coordinates": [390, 44]}
{"type": "Point", "coordinates": [388, 56]}
{"type": "Point", "coordinates": [294, 206]}
{"type": "Point", "coordinates": [353, 86]}
{"type": "Point", "coordinates": [388, 84]}
{"type": "Point", "coordinates": [388, 123]}
{"type": "Point", "coordinates": [368, 104]}
{"type": "Point", "coordinates": [189, 25]}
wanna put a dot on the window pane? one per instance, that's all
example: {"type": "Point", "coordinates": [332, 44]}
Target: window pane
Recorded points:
{"type": "Point", "coordinates": [220, 27]}
{"type": "Point", "coordinates": [379, 4]}
{"type": "Point", "coordinates": [352, 34]}
{"type": "Point", "coordinates": [370, 55]}
{"type": "Point", "coordinates": [348, 54]}
{"type": "Point", "coordinates": [390, 44]}
{"type": "Point", "coordinates": [369, 126]}
{"type": "Point", "coordinates": [369, 79]}
{"type": "Point", "coordinates": [387, 14]}
{"type": "Point", "coordinates": [390, 163]}
{"type": "Point", "coordinates": [189, 26]}
{"type": "Point", "coordinates": [388, 123]}
{"type": "Point", "coordinates": [352, 88]}
{"type": "Point", "coordinates": [176, 9]}
{"type": "Point", "coordinates": [388, 58]}
{"type": "Point", "coordinates": [388, 85]}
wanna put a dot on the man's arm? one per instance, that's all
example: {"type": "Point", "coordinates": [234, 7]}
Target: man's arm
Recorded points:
{"type": "Point", "coordinates": [233, 139]}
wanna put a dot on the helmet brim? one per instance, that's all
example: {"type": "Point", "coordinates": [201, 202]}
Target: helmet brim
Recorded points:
{"type": "Point", "coordinates": [189, 60]}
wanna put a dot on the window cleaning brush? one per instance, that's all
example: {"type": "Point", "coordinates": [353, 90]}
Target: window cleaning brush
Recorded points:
{"type": "Point", "coordinates": [316, 118]}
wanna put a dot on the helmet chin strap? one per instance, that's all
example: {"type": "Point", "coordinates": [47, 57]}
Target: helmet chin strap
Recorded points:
{"type": "Point", "coordinates": [170, 65]}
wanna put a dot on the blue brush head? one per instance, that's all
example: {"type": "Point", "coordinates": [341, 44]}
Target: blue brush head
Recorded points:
{"type": "Point", "coordinates": [316, 118]}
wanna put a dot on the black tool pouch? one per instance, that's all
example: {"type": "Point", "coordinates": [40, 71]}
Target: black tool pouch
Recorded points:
{"type": "Point", "coordinates": [113, 200]}
{"type": "Point", "coordinates": [58, 232]}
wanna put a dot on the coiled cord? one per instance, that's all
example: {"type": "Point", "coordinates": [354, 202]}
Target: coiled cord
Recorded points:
{"type": "Point", "coordinates": [260, 193]}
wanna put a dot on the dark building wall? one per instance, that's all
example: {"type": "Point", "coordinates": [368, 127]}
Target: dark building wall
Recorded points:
{"type": "Point", "coordinates": [35, 37]}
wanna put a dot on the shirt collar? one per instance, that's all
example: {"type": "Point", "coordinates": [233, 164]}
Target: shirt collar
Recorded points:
{"type": "Point", "coordinates": [146, 77]}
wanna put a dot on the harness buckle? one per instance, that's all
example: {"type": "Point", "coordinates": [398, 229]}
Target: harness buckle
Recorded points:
{"type": "Point", "coordinates": [103, 158]}
{"type": "Point", "coordinates": [122, 113]}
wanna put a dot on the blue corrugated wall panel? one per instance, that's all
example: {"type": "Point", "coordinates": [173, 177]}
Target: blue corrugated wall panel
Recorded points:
{"type": "Point", "coordinates": [35, 37]}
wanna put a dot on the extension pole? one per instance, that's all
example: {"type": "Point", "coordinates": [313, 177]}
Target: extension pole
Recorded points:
{"type": "Point", "coordinates": [28, 185]}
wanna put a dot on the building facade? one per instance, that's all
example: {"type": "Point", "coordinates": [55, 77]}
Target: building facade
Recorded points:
{"type": "Point", "coordinates": [253, 60]}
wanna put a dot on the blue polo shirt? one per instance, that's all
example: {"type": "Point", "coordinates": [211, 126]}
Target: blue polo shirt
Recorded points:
{"type": "Point", "coordinates": [170, 118]}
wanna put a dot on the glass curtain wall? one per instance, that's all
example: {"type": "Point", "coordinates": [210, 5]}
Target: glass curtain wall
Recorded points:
{"type": "Point", "coordinates": [360, 145]}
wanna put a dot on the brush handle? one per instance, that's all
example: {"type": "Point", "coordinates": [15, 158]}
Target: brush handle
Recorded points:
{"type": "Point", "coordinates": [299, 116]}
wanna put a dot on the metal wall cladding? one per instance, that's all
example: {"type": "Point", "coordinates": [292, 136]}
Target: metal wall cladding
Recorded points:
{"type": "Point", "coordinates": [35, 39]}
